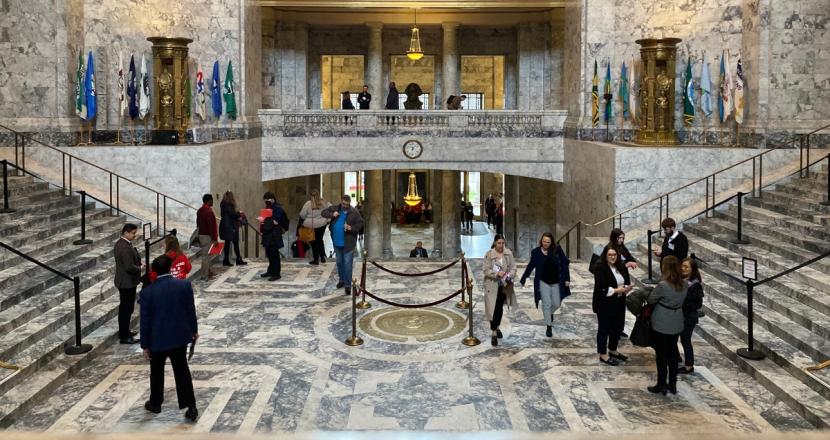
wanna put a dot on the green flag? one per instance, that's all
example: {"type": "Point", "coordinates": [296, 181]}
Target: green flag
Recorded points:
{"type": "Point", "coordinates": [230, 95]}
{"type": "Point", "coordinates": [595, 98]}
{"type": "Point", "coordinates": [624, 90]}
{"type": "Point", "coordinates": [688, 95]}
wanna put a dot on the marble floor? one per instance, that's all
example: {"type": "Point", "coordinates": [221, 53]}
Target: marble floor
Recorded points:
{"type": "Point", "coordinates": [272, 359]}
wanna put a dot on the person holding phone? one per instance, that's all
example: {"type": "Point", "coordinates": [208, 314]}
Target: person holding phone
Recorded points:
{"type": "Point", "coordinates": [611, 284]}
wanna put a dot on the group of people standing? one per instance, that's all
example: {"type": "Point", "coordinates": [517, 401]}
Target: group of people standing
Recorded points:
{"type": "Point", "coordinates": [364, 99]}
{"type": "Point", "coordinates": [494, 210]}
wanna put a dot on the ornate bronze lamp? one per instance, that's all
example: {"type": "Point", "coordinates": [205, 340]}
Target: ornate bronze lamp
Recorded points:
{"type": "Point", "coordinates": [171, 72]}
{"type": "Point", "coordinates": [656, 93]}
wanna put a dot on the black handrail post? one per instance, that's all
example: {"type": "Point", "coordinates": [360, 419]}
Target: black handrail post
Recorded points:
{"type": "Point", "coordinates": [78, 348]}
{"type": "Point", "coordinates": [579, 240]}
{"type": "Point", "coordinates": [650, 280]}
{"type": "Point", "coordinates": [147, 256]}
{"type": "Point", "coordinates": [825, 203]}
{"type": "Point", "coordinates": [740, 238]}
{"type": "Point", "coordinates": [6, 191]}
{"type": "Point", "coordinates": [750, 352]}
{"type": "Point", "coordinates": [83, 239]}
{"type": "Point", "coordinates": [245, 238]}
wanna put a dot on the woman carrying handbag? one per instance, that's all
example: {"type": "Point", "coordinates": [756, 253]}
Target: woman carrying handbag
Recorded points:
{"type": "Point", "coordinates": [314, 226]}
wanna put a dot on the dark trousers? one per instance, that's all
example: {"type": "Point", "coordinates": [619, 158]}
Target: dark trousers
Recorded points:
{"type": "Point", "coordinates": [126, 306]}
{"type": "Point", "coordinates": [686, 342]}
{"type": "Point", "coordinates": [181, 373]}
{"type": "Point", "coordinates": [489, 219]}
{"type": "Point", "coordinates": [273, 255]}
{"type": "Point", "coordinates": [608, 331]}
{"type": "Point", "coordinates": [227, 250]}
{"type": "Point", "coordinates": [665, 348]}
{"type": "Point", "coordinates": [468, 223]}
{"type": "Point", "coordinates": [318, 249]}
{"type": "Point", "coordinates": [499, 310]}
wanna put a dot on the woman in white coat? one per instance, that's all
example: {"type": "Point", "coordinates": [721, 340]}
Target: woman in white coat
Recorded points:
{"type": "Point", "coordinates": [499, 273]}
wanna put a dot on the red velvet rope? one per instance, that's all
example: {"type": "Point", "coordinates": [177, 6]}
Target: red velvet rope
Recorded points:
{"type": "Point", "coordinates": [409, 306]}
{"type": "Point", "coordinates": [422, 274]}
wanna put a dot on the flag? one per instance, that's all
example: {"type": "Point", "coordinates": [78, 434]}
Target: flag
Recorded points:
{"type": "Point", "coordinates": [705, 89]}
{"type": "Point", "coordinates": [230, 95]}
{"type": "Point", "coordinates": [80, 93]}
{"type": "Point", "coordinates": [725, 101]}
{"type": "Point", "coordinates": [632, 90]}
{"type": "Point", "coordinates": [89, 89]}
{"type": "Point", "coordinates": [689, 95]}
{"type": "Point", "coordinates": [201, 111]}
{"type": "Point", "coordinates": [132, 91]}
{"type": "Point", "coordinates": [215, 93]}
{"type": "Point", "coordinates": [609, 106]}
{"type": "Point", "coordinates": [122, 101]}
{"type": "Point", "coordinates": [144, 90]}
{"type": "Point", "coordinates": [739, 93]}
{"type": "Point", "coordinates": [595, 98]}
{"type": "Point", "coordinates": [624, 90]}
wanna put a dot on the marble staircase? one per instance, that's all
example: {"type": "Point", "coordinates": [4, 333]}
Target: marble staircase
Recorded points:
{"type": "Point", "coordinates": [36, 306]}
{"type": "Point", "coordinates": [785, 227]}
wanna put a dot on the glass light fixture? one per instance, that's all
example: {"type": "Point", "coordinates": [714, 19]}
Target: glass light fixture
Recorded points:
{"type": "Point", "coordinates": [415, 52]}
{"type": "Point", "coordinates": [412, 198]}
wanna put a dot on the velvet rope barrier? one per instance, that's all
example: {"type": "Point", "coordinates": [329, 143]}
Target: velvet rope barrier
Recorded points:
{"type": "Point", "coordinates": [412, 306]}
{"type": "Point", "coordinates": [422, 274]}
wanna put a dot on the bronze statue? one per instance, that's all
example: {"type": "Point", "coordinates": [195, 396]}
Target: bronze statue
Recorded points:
{"type": "Point", "coordinates": [413, 91]}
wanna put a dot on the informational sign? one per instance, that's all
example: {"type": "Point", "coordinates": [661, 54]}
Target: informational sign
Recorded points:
{"type": "Point", "coordinates": [750, 268]}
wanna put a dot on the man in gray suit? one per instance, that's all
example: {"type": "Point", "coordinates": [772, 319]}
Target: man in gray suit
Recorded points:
{"type": "Point", "coordinates": [128, 267]}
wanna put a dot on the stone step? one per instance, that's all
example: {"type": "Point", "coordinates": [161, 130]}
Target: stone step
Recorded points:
{"type": "Point", "coordinates": [782, 197]}
{"type": "Point", "coordinates": [787, 384]}
{"type": "Point", "coordinates": [34, 197]}
{"type": "Point", "coordinates": [39, 215]}
{"type": "Point", "coordinates": [807, 215]}
{"type": "Point", "coordinates": [26, 187]}
{"type": "Point", "coordinates": [766, 217]}
{"type": "Point", "coordinates": [773, 238]}
{"type": "Point", "coordinates": [811, 189]}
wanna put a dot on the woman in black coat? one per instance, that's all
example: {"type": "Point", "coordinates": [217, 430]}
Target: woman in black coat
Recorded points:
{"type": "Point", "coordinates": [229, 225]}
{"type": "Point", "coordinates": [691, 305]}
{"type": "Point", "coordinates": [611, 284]}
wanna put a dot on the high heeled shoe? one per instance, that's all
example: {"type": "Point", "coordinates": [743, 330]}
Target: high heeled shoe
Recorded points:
{"type": "Point", "coordinates": [498, 334]}
{"type": "Point", "coordinates": [657, 389]}
{"type": "Point", "coordinates": [494, 340]}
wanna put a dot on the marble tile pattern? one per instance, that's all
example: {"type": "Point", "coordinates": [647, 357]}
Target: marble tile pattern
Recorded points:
{"type": "Point", "coordinates": [271, 358]}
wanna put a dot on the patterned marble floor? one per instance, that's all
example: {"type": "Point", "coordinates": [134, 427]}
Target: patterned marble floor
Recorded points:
{"type": "Point", "coordinates": [271, 358]}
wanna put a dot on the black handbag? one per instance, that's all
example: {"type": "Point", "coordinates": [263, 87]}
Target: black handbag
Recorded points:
{"type": "Point", "coordinates": [641, 333]}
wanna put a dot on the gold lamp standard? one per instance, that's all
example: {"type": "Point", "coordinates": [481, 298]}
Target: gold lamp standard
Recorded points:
{"type": "Point", "coordinates": [412, 198]}
{"type": "Point", "coordinates": [415, 52]}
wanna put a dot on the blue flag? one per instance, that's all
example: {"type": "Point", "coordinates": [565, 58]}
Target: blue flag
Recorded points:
{"type": "Point", "coordinates": [216, 91]}
{"type": "Point", "coordinates": [609, 104]}
{"type": "Point", "coordinates": [89, 89]}
{"type": "Point", "coordinates": [132, 91]}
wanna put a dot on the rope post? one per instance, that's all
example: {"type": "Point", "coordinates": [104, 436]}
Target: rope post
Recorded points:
{"type": "Point", "coordinates": [825, 203]}
{"type": "Point", "coordinates": [83, 239]}
{"type": "Point", "coordinates": [147, 256]}
{"type": "Point", "coordinates": [354, 340]}
{"type": "Point", "coordinates": [739, 239]}
{"type": "Point", "coordinates": [363, 304]}
{"type": "Point", "coordinates": [650, 280]}
{"type": "Point", "coordinates": [750, 352]}
{"type": "Point", "coordinates": [6, 191]}
{"type": "Point", "coordinates": [78, 348]}
{"type": "Point", "coordinates": [471, 340]}
{"type": "Point", "coordinates": [578, 240]}
{"type": "Point", "coordinates": [463, 304]}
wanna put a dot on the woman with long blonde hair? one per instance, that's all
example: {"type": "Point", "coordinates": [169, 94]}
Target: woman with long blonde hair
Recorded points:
{"type": "Point", "coordinates": [311, 215]}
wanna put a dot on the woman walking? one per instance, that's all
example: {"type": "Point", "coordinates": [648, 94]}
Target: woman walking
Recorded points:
{"type": "Point", "coordinates": [691, 305]}
{"type": "Point", "coordinates": [611, 284]}
{"type": "Point", "coordinates": [667, 323]}
{"type": "Point", "coordinates": [311, 213]}
{"type": "Point", "coordinates": [552, 281]}
{"type": "Point", "coordinates": [499, 273]}
{"type": "Point", "coordinates": [232, 218]}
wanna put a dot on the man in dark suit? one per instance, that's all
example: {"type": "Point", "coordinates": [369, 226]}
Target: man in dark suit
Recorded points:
{"type": "Point", "coordinates": [675, 242]}
{"type": "Point", "coordinates": [128, 267]}
{"type": "Point", "coordinates": [419, 251]}
{"type": "Point", "coordinates": [168, 324]}
{"type": "Point", "coordinates": [364, 98]}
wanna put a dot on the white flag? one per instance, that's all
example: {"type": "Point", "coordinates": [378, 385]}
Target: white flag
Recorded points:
{"type": "Point", "coordinates": [632, 91]}
{"type": "Point", "coordinates": [122, 98]}
{"type": "Point", "coordinates": [739, 93]}
{"type": "Point", "coordinates": [201, 109]}
{"type": "Point", "coordinates": [144, 90]}
{"type": "Point", "coordinates": [726, 88]}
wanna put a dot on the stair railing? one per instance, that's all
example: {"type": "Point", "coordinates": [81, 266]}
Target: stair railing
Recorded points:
{"type": "Point", "coordinates": [148, 244]}
{"type": "Point", "coordinates": [567, 237]}
{"type": "Point", "coordinates": [79, 347]}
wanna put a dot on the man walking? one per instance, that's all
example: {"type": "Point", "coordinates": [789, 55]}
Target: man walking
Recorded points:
{"type": "Point", "coordinates": [364, 98]}
{"type": "Point", "coordinates": [128, 267]}
{"type": "Point", "coordinates": [168, 324]}
{"type": "Point", "coordinates": [208, 233]}
{"type": "Point", "coordinates": [346, 224]}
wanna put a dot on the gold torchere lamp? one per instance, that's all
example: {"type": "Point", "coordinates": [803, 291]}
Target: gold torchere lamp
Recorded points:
{"type": "Point", "coordinates": [414, 52]}
{"type": "Point", "coordinates": [170, 70]}
{"type": "Point", "coordinates": [412, 198]}
{"type": "Point", "coordinates": [656, 93]}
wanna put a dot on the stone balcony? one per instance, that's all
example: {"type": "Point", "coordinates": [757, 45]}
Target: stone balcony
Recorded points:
{"type": "Point", "coordinates": [320, 141]}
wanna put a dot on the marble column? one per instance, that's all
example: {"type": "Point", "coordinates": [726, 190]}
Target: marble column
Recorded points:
{"type": "Point", "coordinates": [451, 213]}
{"type": "Point", "coordinates": [292, 43]}
{"type": "Point", "coordinates": [436, 198]}
{"type": "Point", "coordinates": [332, 187]}
{"type": "Point", "coordinates": [387, 213]}
{"type": "Point", "coordinates": [374, 65]}
{"type": "Point", "coordinates": [373, 203]}
{"type": "Point", "coordinates": [450, 80]}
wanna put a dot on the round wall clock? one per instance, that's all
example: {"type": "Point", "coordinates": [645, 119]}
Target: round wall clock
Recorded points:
{"type": "Point", "coordinates": [412, 149]}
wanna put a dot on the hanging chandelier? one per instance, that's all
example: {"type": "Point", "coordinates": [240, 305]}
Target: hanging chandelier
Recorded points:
{"type": "Point", "coordinates": [415, 52]}
{"type": "Point", "coordinates": [412, 198]}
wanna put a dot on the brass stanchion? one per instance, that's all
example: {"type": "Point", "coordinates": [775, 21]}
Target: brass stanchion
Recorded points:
{"type": "Point", "coordinates": [91, 127]}
{"type": "Point", "coordinates": [118, 132]}
{"type": "Point", "coordinates": [81, 135]}
{"type": "Point", "coordinates": [354, 340]}
{"type": "Point", "coordinates": [463, 304]}
{"type": "Point", "coordinates": [470, 340]}
{"type": "Point", "coordinates": [363, 304]}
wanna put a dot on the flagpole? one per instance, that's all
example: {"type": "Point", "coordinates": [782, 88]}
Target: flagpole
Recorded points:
{"type": "Point", "coordinates": [91, 127]}
{"type": "Point", "coordinates": [81, 135]}
{"type": "Point", "coordinates": [118, 132]}
{"type": "Point", "coordinates": [131, 130]}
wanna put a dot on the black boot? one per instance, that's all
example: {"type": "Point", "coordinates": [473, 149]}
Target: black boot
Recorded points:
{"type": "Point", "coordinates": [658, 389]}
{"type": "Point", "coordinates": [549, 332]}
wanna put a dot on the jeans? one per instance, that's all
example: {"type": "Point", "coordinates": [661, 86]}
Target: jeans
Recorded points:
{"type": "Point", "coordinates": [126, 306]}
{"type": "Point", "coordinates": [550, 300]}
{"type": "Point", "coordinates": [608, 332]}
{"type": "Point", "coordinates": [686, 342]}
{"type": "Point", "coordinates": [181, 373]}
{"type": "Point", "coordinates": [344, 265]}
{"type": "Point", "coordinates": [665, 348]}
{"type": "Point", "coordinates": [499, 309]}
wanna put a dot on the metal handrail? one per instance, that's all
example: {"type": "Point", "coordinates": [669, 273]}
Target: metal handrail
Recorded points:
{"type": "Point", "coordinates": [706, 178]}
{"type": "Point", "coordinates": [567, 237]}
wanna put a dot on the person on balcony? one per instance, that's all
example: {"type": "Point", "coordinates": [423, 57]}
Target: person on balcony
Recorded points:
{"type": "Point", "coordinates": [346, 103]}
{"type": "Point", "coordinates": [456, 102]}
{"type": "Point", "coordinates": [392, 99]}
{"type": "Point", "coordinates": [364, 98]}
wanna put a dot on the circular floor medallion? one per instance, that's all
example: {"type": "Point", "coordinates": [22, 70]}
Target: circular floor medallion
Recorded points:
{"type": "Point", "coordinates": [412, 325]}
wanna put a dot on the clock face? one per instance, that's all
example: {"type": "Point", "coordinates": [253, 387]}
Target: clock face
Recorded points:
{"type": "Point", "coordinates": [412, 149]}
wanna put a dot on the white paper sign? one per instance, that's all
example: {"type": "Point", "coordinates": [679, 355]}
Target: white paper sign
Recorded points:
{"type": "Point", "coordinates": [750, 268]}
